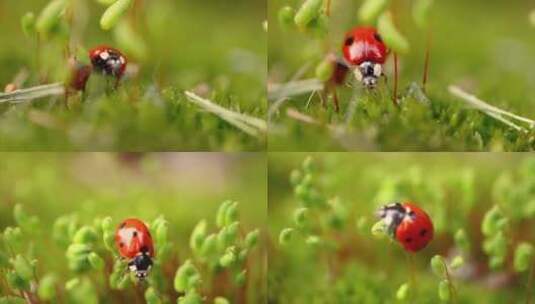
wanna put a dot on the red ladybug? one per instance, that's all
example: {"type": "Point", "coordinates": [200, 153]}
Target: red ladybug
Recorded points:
{"type": "Point", "coordinates": [108, 61]}
{"type": "Point", "coordinates": [408, 224]}
{"type": "Point", "coordinates": [364, 48]}
{"type": "Point", "coordinates": [134, 242]}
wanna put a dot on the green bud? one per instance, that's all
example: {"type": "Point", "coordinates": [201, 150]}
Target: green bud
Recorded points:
{"type": "Point", "coordinates": [47, 287]}
{"type": "Point", "coordinates": [325, 69]}
{"type": "Point", "coordinates": [28, 24]}
{"type": "Point", "coordinates": [209, 246]}
{"type": "Point", "coordinates": [371, 9]}
{"type": "Point", "coordinates": [444, 290]}
{"type": "Point", "coordinates": [309, 11]}
{"type": "Point", "coordinates": [106, 2]}
{"type": "Point", "coordinates": [191, 297]}
{"type": "Point", "coordinates": [198, 236]}
{"type": "Point", "coordinates": [379, 229]}
{"type": "Point", "coordinates": [490, 223]}
{"type": "Point", "coordinates": [109, 240]}
{"type": "Point", "coordinates": [403, 292]}
{"type": "Point", "coordinates": [457, 262]}
{"type": "Point", "coordinates": [391, 36]}
{"type": "Point", "coordinates": [286, 236]}
{"type": "Point", "coordinates": [240, 278]}
{"type": "Point", "coordinates": [161, 233]}
{"type": "Point", "coordinates": [85, 235]}
{"type": "Point", "coordinates": [23, 268]}
{"type": "Point", "coordinates": [228, 258]}
{"type": "Point", "coordinates": [438, 266]}
{"type": "Point", "coordinates": [15, 281]}
{"type": "Point", "coordinates": [251, 239]}
{"type": "Point", "coordinates": [232, 232]}
{"type": "Point", "coordinates": [231, 214]}
{"type": "Point", "coordinates": [183, 275]}
{"type": "Point", "coordinates": [286, 16]}
{"type": "Point", "coordinates": [72, 283]}
{"type": "Point", "coordinates": [13, 238]}
{"type": "Point", "coordinates": [496, 262]}
{"type": "Point", "coordinates": [300, 217]}
{"type": "Point", "coordinates": [461, 240]}
{"type": "Point", "coordinates": [130, 41]}
{"type": "Point", "coordinates": [221, 300]}
{"type": "Point", "coordinates": [76, 250]}
{"type": "Point", "coordinates": [114, 12]}
{"type": "Point", "coordinates": [96, 261]}
{"type": "Point", "coordinates": [50, 16]}
{"type": "Point", "coordinates": [151, 296]}
{"type": "Point", "coordinates": [313, 240]}
{"type": "Point", "coordinates": [420, 12]}
{"type": "Point", "coordinates": [524, 257]}
{"type": "Point", "coordinates": [107, 224]}
{"type": "Point", "coordinates": [295, 177]}
{"type": "Point", "coordinates": [221, 213]}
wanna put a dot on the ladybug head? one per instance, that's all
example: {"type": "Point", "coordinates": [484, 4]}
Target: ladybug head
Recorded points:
{"type": "Point", "coordinates": [392, 215]}
{"type": "Point", "coordinates": [368, 72]}
{"type": "Point", "coordinates": [141, 265]}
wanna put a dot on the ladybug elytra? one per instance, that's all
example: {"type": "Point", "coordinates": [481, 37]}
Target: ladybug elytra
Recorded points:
{"type": "Point", "coordinates": [134, 242]}
{"type": "Point", "coordinates": [364, 48]}
{"type": "Point", "coordinates": [408, 224]}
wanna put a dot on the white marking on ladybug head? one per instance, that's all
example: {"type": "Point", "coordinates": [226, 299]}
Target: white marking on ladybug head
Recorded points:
{"type": "Point", "coordinates": [121, 59]}
{"type": "Point", "coordinates": [377, 70]}
{"type": "Point", "coordinates": [358, 74]}
{"type": "Point", "coordinates": [104, 55]}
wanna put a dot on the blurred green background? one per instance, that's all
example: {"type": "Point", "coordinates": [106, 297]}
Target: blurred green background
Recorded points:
{"type": "Point", "coordinates": [183, 187]}
{"type": "Point", "coordinates": [455, 189]}
{"type": "Point", "coordinates": [216, 48]}
{"type": "Point", "coordinates": [483, 46]}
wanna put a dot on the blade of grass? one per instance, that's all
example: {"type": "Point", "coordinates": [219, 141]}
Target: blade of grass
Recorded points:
{"type": "Point", "coordinates": [249, 124]}
{"type": "Point", "coordinates": [29, 94]}
{"type": "Point", "coordinates": [487, 108]}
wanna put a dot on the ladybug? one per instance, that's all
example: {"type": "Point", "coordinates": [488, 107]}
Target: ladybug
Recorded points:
{"type": "Point", "coordinates": [365, 50]}
{"type": "Point", "coordinates": [108, 61]}
{"type": "Point", "coordinates": [79, 75]}
{"type": "Point", "coordinates": [408, 224]}
{"type": "Point", "coordinates": [134, 242]}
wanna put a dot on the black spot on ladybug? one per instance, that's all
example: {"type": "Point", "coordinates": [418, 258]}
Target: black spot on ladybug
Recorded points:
{"type": "Point", "coordinates": [423, 232]}
{"type": "Point", "coordinates": [349, 41]}
{"type": "Point", "coordinates": [134, 234]}
{"type": "Point", "coordinates": [378, 37]}
{"type": "Point", "coordinates": [121, 244]}
{"type": "Point", "coordinates": [408, 240]}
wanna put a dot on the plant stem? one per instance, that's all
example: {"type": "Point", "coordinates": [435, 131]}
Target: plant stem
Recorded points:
{"type": "Point", "coordinates": [395, 96]}
{"type": "Point", "coordinates": [412, 273]}
{"type": "Point", "coordinates": [450, 284]}
{"type": "Point", "coordinates": [530, 281]}
{"type": "Point", "coordinates": [426, 60]}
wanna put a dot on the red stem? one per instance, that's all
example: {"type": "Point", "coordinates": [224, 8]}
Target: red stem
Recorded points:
{"type": "Point", "coordinates": [426, 62]}
{"type": "Point", "coordinates": [395, 97]}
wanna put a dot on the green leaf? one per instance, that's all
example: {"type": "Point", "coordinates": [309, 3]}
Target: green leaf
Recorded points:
{"type": "Point", "coordinates": [309, 11]}
{"type": "Point", "coordinates": [524, 257]}
{"type": "Point", "coordinates": [438, 266]}
{"type": "Point", "coordinates": [444, 291]}
{"type": "Point", "coordinates": [47, 287]}
{"type": "Point", "coordinates": [113, 14]}
{"type": "Point", "coordinates": [391, 36]}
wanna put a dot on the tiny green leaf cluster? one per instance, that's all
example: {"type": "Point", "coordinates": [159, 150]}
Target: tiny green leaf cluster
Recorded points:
{"type": "Point", "coordinates": [316, 218]}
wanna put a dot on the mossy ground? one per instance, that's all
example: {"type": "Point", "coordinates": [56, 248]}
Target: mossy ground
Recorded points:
{"type": "Point", "coordinates": [454, 189]}
{"type": "Point", "coordinates": [211, 46]}
{"type": "Point", "coordinates": [483, 47]}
